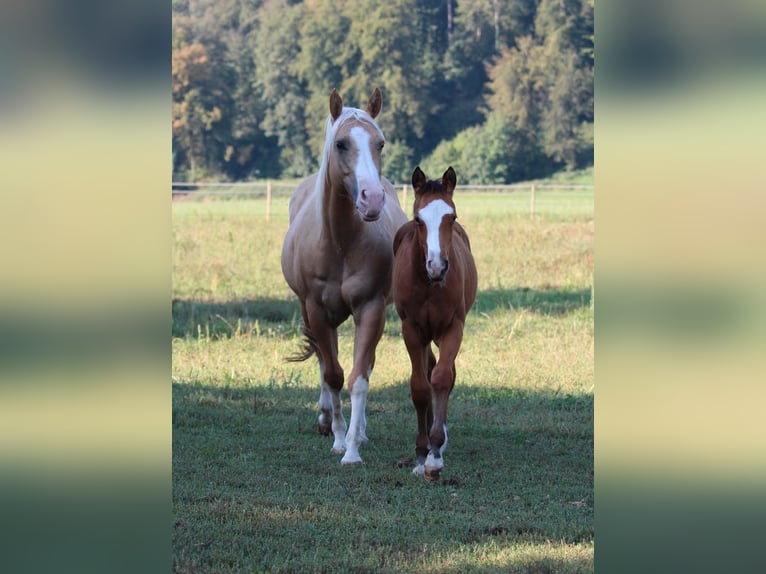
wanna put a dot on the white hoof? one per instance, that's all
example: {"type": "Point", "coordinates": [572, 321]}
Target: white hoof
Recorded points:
{"type": "Point", "coordinates": [419, 469]}
{"type": "Point", "coordinates": [350, 459]}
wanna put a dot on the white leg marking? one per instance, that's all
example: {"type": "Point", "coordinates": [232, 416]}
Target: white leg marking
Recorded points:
{"type": "Point", "coordinates": [325, 401]}
{"type": "Point", "coordinates": [363, 424]}
{"type": "Point", "coordinates": [355, 431]}
{"type": "Point", "coordinates": [419, 469]}
{"type": "Point", "coordinates": [338, 424]}
{"type": "Point", "coordinates": [433, 463]}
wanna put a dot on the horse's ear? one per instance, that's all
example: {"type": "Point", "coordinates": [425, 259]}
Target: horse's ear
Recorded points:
{"type": "Point", "coordinates": [336, 105]}
{"type": "Point", "coordinates": [449, 180]}
{"type": "Point", "coordinates": [375, 103]}
{"type": "Point", "coordinates": [418, 179]}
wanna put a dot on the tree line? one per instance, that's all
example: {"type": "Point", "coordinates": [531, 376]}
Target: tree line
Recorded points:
{"type": "Point", "coordinates": [500, 89]}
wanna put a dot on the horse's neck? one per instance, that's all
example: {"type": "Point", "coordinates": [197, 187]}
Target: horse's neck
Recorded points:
{"type": "Point", "coordinates": [339, 217]}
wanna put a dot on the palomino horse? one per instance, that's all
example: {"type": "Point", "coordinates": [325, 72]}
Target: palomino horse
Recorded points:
{"type": "Point", "coordinates": [434, 287]}
{"type": "Point", "coordinates": [338, 257]}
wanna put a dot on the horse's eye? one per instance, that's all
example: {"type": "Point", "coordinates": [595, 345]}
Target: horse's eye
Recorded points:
{"type": "Point", "coordinates": [342, 145]}
{"type": "Point", "coordinates": [381, 145]}
{"type": "Point", "coordinates": [454, 217]}
{"type": "Point", "coordinates": [418, 220]}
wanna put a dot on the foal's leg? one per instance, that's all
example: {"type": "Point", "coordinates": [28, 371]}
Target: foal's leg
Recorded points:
{"type": "Point", "coordinates": [420, 358]}
{"type": "Point", "coordinates": [442, 382]}
{"type": "Point", "coordinates": [369, 321]}
{"type": "Point", "coordinates": [331, 374]}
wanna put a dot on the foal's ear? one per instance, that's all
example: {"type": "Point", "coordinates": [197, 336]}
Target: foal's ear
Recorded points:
{"type": "Point", "coordinates": [375, 103]}
{"type": "Point", "coordinates": [336, 105]}
{"type": "Point", "coordinates": [449, 180]}
{"type": "Point", "coordinates": [418, 179]}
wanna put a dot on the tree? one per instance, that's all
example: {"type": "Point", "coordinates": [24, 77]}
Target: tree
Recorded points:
{"type": "Point", "coordinates": [196, 106]}
{"type": "Point", "coordinates": [281, 90]}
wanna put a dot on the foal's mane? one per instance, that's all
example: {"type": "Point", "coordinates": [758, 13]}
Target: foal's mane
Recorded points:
{"type": "Point", "coordinates": [331, 130]}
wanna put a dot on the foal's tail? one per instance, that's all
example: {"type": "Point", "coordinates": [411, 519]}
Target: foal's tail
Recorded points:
{"type": "Point", "coordinates": [310, 347]}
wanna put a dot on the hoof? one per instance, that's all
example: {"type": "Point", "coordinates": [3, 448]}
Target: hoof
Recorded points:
{"type": "Point", "coordinates": [324, 428]}
{"type": "Point", "coordinates": [432, 474]}
{"type": "Point", "coordinates": [351, 459]}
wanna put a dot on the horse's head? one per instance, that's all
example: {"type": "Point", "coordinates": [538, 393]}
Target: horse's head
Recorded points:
{"type": "Point", "coordinates": [353, 146]}
{"type": "Point", "coordinates": [435, 216]}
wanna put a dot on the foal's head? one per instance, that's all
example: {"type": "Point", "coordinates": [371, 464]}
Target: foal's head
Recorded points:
{"type": "Point", "coordinates": [353, 145]}
{"type": "Point", "coordinates": [435, 216]}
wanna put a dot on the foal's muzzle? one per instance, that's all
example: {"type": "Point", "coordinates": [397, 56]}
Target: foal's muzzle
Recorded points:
{"type": "Point", "coordinates": [436, 275]}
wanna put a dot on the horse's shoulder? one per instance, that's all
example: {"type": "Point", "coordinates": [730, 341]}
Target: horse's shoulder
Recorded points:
{"type": "Point", "coordinates": [406, 230]}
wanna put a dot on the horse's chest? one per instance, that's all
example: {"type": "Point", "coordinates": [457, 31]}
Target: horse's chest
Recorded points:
{"type": "Point", "coordinates": [433, 317]}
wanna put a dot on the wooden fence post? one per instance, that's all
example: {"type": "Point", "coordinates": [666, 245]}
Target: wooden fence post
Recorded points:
{"type": "Point", "coordinates": [268, 201]}
{"type": "Point", "coordinates": [404, 197]}
{"type": "Point", "coordinates": [532, 202]}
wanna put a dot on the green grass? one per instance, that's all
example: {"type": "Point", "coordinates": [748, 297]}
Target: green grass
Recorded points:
{"type": "Point", "coordinates": [256, 489]}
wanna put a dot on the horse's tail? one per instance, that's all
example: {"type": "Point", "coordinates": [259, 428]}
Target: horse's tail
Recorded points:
{"type": "Point", "coordinates": [310, 347]}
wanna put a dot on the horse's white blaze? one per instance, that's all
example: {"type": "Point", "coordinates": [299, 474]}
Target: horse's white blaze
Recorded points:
{"type": "Point", "coordinates": [365, 165]}
{"type": "Point", "coordinates": [370, 194]}
{"type": "Point", "coordinates": [357, 423]}
{"type": "Point", "coordinates": [431, 215]}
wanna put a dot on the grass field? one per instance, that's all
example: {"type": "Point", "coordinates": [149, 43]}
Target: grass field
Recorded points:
{"type": "Point", "coordinates": [256, 489]}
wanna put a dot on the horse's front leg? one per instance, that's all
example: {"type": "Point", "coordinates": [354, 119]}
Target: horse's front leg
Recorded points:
{"type": "Point", "coordinates": [442, 382]}
{"type": "Point", "coordinates": [331, 376]}
{"type": "Point", "coordinates": [421, 359]}
{"type": "Point", "coordinates": [369, 321]}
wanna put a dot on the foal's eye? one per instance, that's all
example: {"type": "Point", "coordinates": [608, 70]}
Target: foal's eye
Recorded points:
{"type": "Point", "coordinates": [418, 220]}
{"type": "Point", "coordinates": [342, 145]}
{"type": "Point", "coordinates": [381, 145]}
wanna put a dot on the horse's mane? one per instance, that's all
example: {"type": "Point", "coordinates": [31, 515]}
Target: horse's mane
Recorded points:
{"type": "Point", "coordinates": [330, 131]}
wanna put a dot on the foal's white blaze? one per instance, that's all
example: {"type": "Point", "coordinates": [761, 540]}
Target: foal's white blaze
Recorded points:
{"type": "Point", "coordinates": [431, 215]}
{"type": "Point", "coordinates": [356, 427]}
{"type": "Point", "coordinates": [370, 192]}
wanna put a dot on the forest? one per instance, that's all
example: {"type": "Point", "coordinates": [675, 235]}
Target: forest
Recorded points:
{"type": "Point", "coordinates": [500, 89]}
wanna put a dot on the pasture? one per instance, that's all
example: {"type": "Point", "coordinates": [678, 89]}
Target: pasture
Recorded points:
{"type": "Point", "coordinates": [256, 488]}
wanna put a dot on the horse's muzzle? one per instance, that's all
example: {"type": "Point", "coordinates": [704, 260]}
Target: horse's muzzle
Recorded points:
{"type": "Point", "coordinates": [368, 216]}
{"type": "Point", "coordinates": [370, 204]}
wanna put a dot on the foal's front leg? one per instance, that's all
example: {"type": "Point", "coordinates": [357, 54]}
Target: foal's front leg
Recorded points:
{"type": "Point", "coordinates": [442, 382]}
{"type": "Point", "coordinates": [421, 359]}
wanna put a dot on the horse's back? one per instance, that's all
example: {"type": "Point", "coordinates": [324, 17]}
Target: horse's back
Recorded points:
{"type": "Point", "coordinates": [299, 226]}
{"type": "Point", "coordinates": [300, 196]}
{"type": "Point", "coordinates": [393, 209]}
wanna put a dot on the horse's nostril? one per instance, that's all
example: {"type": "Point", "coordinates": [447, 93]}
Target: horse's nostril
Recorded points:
{"type": "Point", "coordinates": [364, 194]}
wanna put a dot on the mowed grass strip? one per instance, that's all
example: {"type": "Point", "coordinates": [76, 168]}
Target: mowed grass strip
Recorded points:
{"type": "Point", "coordinates": [256, 489]}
